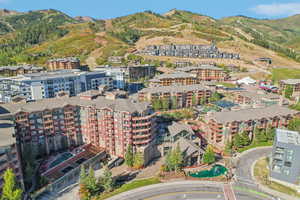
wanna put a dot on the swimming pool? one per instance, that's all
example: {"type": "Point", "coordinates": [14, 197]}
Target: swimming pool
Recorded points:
{"type": "Point", "coordinates": [216, 170]}
{"type": "Point", "coordinates": [61, 158]}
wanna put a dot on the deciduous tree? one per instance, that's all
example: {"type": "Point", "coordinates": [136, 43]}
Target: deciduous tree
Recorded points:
{"type": "Point", "coordinates": [10, 190]}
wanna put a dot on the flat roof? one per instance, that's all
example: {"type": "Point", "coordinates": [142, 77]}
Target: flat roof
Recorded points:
{"type": "Point", "coordinates": [287, 136]}
{"type": "Point", "coordinates": [6, 133]}
{"type": "Point", "coordinates": [179, 88]}
{"type": "Point", "coordinates": [251, 114]}
{"type": "Point", "coordinates": [291, 81]}
{"type": "Point", "coordinates": [203, 67]}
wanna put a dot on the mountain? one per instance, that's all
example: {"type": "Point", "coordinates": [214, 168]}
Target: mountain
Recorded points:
{"type": "Point", "coordinates": [55, 34]}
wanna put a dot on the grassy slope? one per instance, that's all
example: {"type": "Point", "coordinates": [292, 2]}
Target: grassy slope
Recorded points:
{"type": "Point", "coordinates": [174, 27]}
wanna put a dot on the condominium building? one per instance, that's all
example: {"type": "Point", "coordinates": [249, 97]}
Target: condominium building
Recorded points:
{"type": "Point", "coordinates": [294, 84]}
{"type": "Point", "coordinates": [50, 125]}
{"type": "Point", "coordinates": [222, 126]}
{"type": "Point", "coordinates": [63, 63]}
{"type": "Point", "coordinates": [176, 78]}
{"type": "Point", "coordinates": [42, 85]}
{"type": "Point", "coordinates": [19, 70]}
{"type": "Point", "coordinates": [123, 75]}
{"type": "Point", "coordinates": [206, 72]}
{"type": "Point", "coordinates": [9, 154]}
{"type": "Point", "coordinates": [183, 94]}
{"type": "Point", "coordinates": [285, 160]}
{"type": "Point", "coordinates": [256, 99]}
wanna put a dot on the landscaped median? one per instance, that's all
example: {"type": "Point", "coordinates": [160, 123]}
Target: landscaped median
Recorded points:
{"type": "Point", "coordinates": [130, 186]}
{"type": "Point", "coordinates": [261, 174]}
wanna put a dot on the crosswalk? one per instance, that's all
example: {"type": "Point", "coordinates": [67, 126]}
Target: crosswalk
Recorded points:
{"type": "Point", "coordinates": [228, 192]}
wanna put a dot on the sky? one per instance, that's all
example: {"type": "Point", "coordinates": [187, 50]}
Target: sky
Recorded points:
{"type": "Point", "coordinates": [105, 9]}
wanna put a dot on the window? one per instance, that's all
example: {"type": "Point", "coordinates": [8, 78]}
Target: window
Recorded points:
{"type": "Point", "coordinates": [286, 172]}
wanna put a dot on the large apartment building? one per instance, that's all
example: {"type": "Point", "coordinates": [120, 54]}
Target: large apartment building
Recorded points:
{"type": "Point", "coordinates": [50, 125]}
{"type": "Point", "coordinates": [222, 126]}
{"type": "Point", "coordinates": [9, 153]}
{"type": "Point", "coordinates": [63, 63]}
{"type": "Point", "coordinates": [285, 160]}
{"type": "Point", "coordinates": [206, 72]}
{"type": "Point", "coordinates": [19, 70]}
{"type": "Point", "coordinates": [123, 75]}
{"type": "Point", "coordinates": [256, 98]}
{"type": "Point", "coordinates": [42, 85]}
{"type": "Point", "coordinates": [183, 94]}
{"type": "Point", "coordinates": [294, 84]}
{"type": "Point", "coordinates": [176, 78]}
{"type": "Point", "coordinates": [188, 51]}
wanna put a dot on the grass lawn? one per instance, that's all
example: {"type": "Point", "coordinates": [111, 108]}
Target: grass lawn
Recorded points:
{"type": "Point", "coordinates": [285, 73]}
{"type": "Point", "coordinates": [130, 186]}
{"type": "Point", "coordinates": [228, 85]}
{"type": "Point", "coordinates": [261, 171]}
{"type": "Point", "coordinates": [254, 145]}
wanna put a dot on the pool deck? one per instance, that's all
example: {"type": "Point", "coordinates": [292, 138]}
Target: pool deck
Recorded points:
{"type": "Point", "coordinates": [61, 169]}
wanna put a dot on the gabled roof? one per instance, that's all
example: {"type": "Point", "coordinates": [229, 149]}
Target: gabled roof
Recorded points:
{"type": "Point", "coordinates": [176, 128]}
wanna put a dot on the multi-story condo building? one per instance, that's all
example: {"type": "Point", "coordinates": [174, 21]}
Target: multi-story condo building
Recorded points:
{"type": "Point", "coordinates": [222, 126]}
{"type": "Point", "coordinates": [188, 51]}
{"type": "Point", "coordinates": [176, 78]}
{"type": "Point", "coordinates": [9, 153]}
{"type": "Point", "coordinates": [183, 94]}
{"type": "Point", "coordinates": [285, 160]}
{"type": "Point", "coordinates": [49, 84]}
{"type": "Point", "coordinates": [256, 99]}
{"type": "Point", "coordinates": [206, 72]}
{"type": "Point", "coordinates": [19, 70]}
{"type": "Point", "coordinates": [294, 84]}
{"type": "Point", "coordinates": [50, 125]}
{"type": "Point", "coordinates": [63, 63]}
{"type": "Point", "coordinates": [123, 75]}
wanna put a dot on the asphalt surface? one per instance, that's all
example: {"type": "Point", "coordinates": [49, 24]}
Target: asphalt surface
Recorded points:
{"type": "Point", "coordinates": [183, 190]}
{"type": "Point", "coordinates": [245, 161]}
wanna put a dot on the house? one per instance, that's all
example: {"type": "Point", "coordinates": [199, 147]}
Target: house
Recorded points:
{"type": "Point", "coordinates": [285, 159]}
{"type": "Point", "coordinates": [183, 136]}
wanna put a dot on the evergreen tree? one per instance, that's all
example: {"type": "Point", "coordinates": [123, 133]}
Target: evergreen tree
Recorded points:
{"type": "Point", "coordinates": [157, 104]}
{"type": "Point", "coordinates": [177, 158]}
{"type": "Point", "coordinates": [174, 103]}
{"type": "Point", "coordinates": [83, 175]}
{"type": "Point", "coordinates": [288, 92]}
{"type": "Point", "coordinates": [203, 101]}
{"type": "Point", "coordinates": [294, 124]}
{"type": "Point", "coordinates": [138, 160]}
{"type": "Point", "coordinates": [165, 104]}
{"type": "Point", "coordinates": [194, 100]}
{"type": "Point", "coordinates": [270, 133]}
{"type": "Point", "coordinates": [129, 156]}
{"type": "Point", "coordinates": [168, 161]}
{"type": "Point", "coordinates": [107, 180]}
{"type": "Point", "coordinates": [260, 136]}
{"type": "Point", "coordinates": [91, 182]}
{"type": "Point", "coordinates": [228, 147]}
{"type": "Point", "coordinates": [10, 190]}
{"type": "Point", "coordinates": [245, 138]}
{"type": "Point", "coordinates": [209, 156]}
{"type": "Point", "coordinates": [238, 141]}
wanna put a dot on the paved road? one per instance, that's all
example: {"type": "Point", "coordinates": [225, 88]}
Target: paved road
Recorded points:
{"type": "Point", "coordinates": [246, 160]}
{"type": "Point", "coordinates": [183, 190]}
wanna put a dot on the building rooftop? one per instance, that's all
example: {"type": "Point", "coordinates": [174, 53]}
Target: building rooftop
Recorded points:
{"type": "Point", "coordinates": [26, 67]}
{"type": "Point", "coordinates": [176, 128]}
{"type": "Point", "coordinates": [6, 133]}
{"type": "Point", "coordinates": [203, 67]}
{"type": "Point", "coordinates": [288, 137]}
{"type": "Point", "coordinates": [179, 88]}
{"type": "Point", "coordinates": [259, 96]}
{"type": "Point", "coordinates": [173, 76]}
{"type": "Point", "coordinates": [68, 59]}
{"type": "Point", "coordinates": [123, 105]}
{"type": "Point", "coordinates": [188, 147]}
{"type": "Point", "coordinates": [40, 76]}
{"type": "Point", "coordinates": [251, 114]}
{"type": "Point", "coordinates": [291, 81]}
